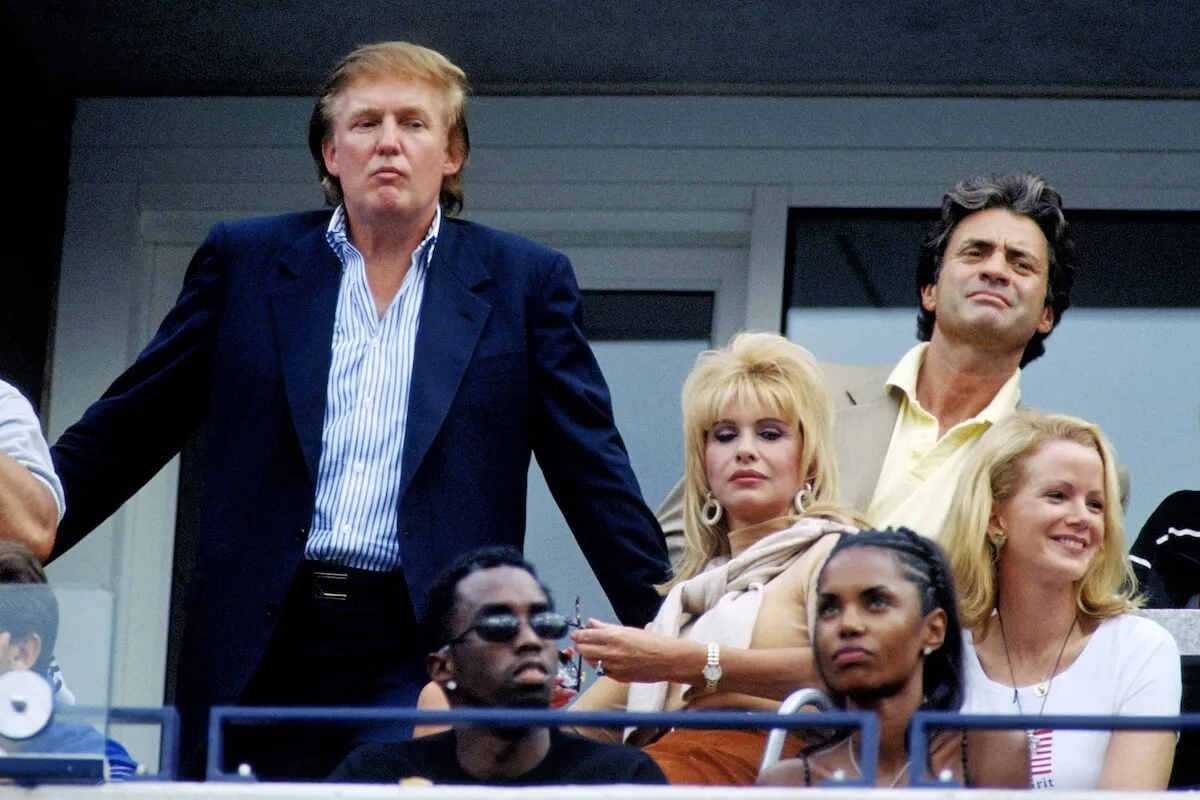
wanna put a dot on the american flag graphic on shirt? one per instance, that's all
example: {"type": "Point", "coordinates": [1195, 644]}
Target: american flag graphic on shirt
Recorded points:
{"type": "Point", "coordinates": [1041, 758]}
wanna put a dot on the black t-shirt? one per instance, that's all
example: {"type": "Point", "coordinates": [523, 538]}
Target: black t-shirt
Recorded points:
{"type": "Point", "coordinates": [570, 760]}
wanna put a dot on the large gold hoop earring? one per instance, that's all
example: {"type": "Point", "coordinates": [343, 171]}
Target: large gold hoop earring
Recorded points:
{"type": "Point", "coordinates": [803, 498]}
{"type": "Point", "coordinates": [711, 511]}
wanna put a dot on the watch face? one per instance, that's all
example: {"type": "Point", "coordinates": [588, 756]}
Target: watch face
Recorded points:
{"type": "Point", "coordinates": [711, 672]}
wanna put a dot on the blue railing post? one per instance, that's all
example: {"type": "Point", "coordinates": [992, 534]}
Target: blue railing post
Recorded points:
{"type": "Point", "coordinates": [165, 717]}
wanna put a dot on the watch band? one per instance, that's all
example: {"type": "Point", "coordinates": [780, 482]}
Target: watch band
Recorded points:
{"type": "Point", "coordinates": [712, 667]}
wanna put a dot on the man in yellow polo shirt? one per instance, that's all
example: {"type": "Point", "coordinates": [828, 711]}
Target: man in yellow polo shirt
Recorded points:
{"type": "Point", "coordinates": [993, 279]}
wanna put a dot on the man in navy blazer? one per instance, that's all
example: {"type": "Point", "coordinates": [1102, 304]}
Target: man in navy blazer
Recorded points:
{"type": "Point", "coordinates": [372, 383]}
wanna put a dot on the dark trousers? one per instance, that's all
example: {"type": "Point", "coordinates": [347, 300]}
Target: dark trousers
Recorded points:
{"type": "Point", "coordinates": [346, 638]}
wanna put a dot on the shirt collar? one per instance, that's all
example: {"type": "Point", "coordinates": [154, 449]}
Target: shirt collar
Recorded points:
{"type": "Point", "coordinates": [904, 378]}
{"type": "Point", "coordinates": [904, 375]}
{"type": "Point", "coordinates": [335, 234]}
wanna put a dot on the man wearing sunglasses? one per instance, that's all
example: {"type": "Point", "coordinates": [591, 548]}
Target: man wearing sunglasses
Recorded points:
{"type": "Point", "coordinates": [494, 633]}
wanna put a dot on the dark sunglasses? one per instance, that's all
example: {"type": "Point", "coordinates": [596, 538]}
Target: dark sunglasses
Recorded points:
{"type": "Point", "coordinates": [504, 627]}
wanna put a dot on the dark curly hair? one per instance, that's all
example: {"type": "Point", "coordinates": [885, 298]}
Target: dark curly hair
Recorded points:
{"type": "Point", "coordinates": [923, 563]}
{"type": "Point", "coordinates": [1021, 193]}
{"type": "Point", "coordinates": [443, 597]}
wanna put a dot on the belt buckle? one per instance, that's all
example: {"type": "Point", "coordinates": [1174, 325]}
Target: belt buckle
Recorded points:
{"type": "Point", "coordinates": [330, 585]}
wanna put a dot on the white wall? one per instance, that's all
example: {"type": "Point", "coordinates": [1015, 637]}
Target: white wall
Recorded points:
{"type": "Point", "coordinates": [148, 176]}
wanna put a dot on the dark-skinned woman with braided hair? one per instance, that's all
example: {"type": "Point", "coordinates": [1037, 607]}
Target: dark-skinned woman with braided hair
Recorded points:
{"type": "Point", "coordinates": [887, 639]}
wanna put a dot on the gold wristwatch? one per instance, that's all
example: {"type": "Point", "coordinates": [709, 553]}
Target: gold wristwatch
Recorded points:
{"type": "Point", "coordinates": [712, 668]}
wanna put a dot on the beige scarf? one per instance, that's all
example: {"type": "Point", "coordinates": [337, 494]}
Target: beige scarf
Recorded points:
{"type": "Point", "coordinates": [731, 589]}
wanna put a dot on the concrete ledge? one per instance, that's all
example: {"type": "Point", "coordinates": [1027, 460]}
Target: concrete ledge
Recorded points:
{"type": "Point", "coordinates": [1182, 623]}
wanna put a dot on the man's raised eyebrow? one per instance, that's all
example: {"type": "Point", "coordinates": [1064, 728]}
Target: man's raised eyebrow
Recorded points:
{"type": "Point", "coordinates": [1010, 251]}
{"type": "Point", "coordinates": [977, 242]}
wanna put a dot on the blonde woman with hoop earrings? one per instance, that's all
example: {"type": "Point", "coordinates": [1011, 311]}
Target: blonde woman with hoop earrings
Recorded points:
{"type": "Point", "coordinates": [1037, 545]}
{"type": "Point", "coordinates": [733, 631]}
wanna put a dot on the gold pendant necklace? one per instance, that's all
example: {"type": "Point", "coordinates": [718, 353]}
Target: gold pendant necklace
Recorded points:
{"type": "Point", "coordinates": [1042, 689]}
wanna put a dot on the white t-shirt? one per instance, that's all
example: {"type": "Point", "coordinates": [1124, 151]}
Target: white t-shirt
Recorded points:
{"type": "Point", "coordinates": [1130, 667]}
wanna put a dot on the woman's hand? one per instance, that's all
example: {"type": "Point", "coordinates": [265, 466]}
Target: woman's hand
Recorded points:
{"type": "Point", "coordinates": [632, 654]}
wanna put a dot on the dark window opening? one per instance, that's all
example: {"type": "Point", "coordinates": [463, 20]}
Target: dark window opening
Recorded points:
{"type": "Point", "coordinates": [867, 257]}
{"type": "Point", "coordinates": [662, 316]}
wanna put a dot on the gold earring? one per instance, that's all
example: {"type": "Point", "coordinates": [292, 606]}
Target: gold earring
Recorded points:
{"type": "Point", "coordinates": [998, 539]}
{"type": "Point", "coordinates": [803, 498]}
{"type": "Point", "coordinates": [711, 511]}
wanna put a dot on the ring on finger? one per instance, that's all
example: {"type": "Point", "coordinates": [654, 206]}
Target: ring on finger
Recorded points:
{"type": "Point", "coordinates": [600, 668]}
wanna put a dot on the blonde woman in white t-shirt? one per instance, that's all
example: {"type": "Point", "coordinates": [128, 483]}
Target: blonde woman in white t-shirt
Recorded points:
{"type": "Point", "coordinates": [1037, 545]}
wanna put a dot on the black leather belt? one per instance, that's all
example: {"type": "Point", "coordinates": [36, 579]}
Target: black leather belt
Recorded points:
{"type": "Point", "coordinates": [334, 582]}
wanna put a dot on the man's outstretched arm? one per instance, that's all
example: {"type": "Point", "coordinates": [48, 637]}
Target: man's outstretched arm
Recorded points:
{"type": "Point", "coordinates": [30, 494]}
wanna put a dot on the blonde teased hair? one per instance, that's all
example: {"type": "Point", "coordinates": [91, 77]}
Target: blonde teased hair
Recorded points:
{"type": "Point", "coordinates": [993, 474]}
{"type": "Point", "coordinates": [757, 370]}
{"type": "Point", "coordinates": [408, 61]}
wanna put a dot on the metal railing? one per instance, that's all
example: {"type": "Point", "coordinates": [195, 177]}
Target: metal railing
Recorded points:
{"type": "Point", "coordinates": [167, 720]}
{"type": "Point", "coordinates": [922, 725]}
{"type": "Point", "coordinates": [791, 704]}
{"type": "Point", "coordinates": [924, 721]}
{"type": "Point", "coordinates": [865, 722]}
{"type": "Point", "coordinates": [25, 770]}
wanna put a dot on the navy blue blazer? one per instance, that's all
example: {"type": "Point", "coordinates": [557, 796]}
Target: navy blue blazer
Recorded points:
{"type": "Point", "coordinates": [501, 369]}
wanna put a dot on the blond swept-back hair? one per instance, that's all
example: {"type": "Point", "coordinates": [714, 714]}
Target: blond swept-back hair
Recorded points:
{"type": "Point", "coordinates": [992, 475]}
{"type": "Point", "coordinates": [765, 371]}
{"type": "Point", "coordinates": [411, 62]}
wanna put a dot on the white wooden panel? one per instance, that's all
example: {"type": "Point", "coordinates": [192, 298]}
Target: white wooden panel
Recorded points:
{"type": "Point", "coordinates": [1115, 169]}
{"type": "Point", "coordinates": [721, 123]}
{"type": "Point", "coordinates": [768, 258]}
{"type": "Point", "coordinates": [611, 195]}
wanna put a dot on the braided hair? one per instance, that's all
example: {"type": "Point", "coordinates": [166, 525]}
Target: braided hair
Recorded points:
{"type": "Point", "coordinates": [923, 563]}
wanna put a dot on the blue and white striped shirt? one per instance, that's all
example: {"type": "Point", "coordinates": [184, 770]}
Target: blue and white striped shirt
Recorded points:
{"type": "Point", "coordinates": [366, 411]}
